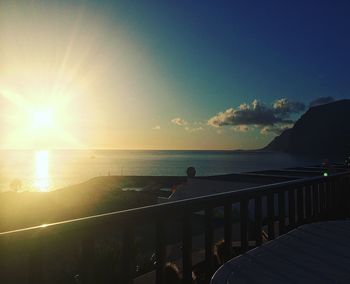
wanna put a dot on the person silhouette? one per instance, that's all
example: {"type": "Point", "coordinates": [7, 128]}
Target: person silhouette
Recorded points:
{"type": "Point", "coordinates": [191, 172]}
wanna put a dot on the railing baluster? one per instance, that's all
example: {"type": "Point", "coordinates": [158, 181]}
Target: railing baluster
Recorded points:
{"type": "Point", "coordinates": [339, 196]}
{"type": "Point", "coordinates": [343, 196]}
{"type": "Point", "coordinates": [291, 208]}
{"type": "Point", "coordinates": [337, 204]}
{"type": "Point", "coordinates": [187, 248]}
{"type": "Point", "coordinates": [258, 220]}
{"type": "Point", "coordinates": [128, 255]}
{"type": "Point", "coordinates": [337, 184]}
{"type": "Point", "coordinates": [160, 251]}
{"type": "Point", "coordinates": [307, 203]}
{"type": "Point", "coordinates": [88, 261]}
{"type": "Point", "coordinates": [209, 242]}
{"type": "Point", "coordinates": [322, 200]}
{"type": "Point", "coordinates": [328, 199]}
{"type": "Point", "coordinates": [331, 202]}
{"type": "Point", "coordinates": [228, 228]}
{"type": "Point", "coordinates": [337, 210]}
{"type": "Point", "coordinates": [315, 201]}
{"type": "Point", "coordinates": [300, 206]}
{"type": "Point", "coordinates": [332, 197]}
{"type": "Point", "coordinates": [346, 196]}
{"type": "Point", "coordinates": [271, 216]}
{"type": "Point", "coordinates": [244, 224]}
{"type": "Point", "coordinates": [35, 263]}
{"type": "Point", "coordinates": [281, 212]}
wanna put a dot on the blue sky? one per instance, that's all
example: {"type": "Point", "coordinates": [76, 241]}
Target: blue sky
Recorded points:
{"type": "Point", "coordinates": [192, 60]}
{"type": "Point", "coordinates": [241, 50]}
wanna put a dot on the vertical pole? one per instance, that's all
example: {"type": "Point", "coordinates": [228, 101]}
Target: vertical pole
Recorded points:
{"type": "Point", "coordinates": [258, 220]}
{"type": "Point", "coordinates": [291, 205]}
{"type": "Point", "coordinates": [271, 216]}
{"type": "Point", "coordinates": [315, 202]}
{"type": "Point", "coordinates": [228, 228]}
{"type": "Point", "coordinates": [282, 212]}
{"type": "Point", "coordinates": [35, 263]}
{"type": "Point", "coordinates": [244, 224]}
{"type": "Point", "coordinates": [209, 242]}
{"type": "Point", "coordinates": [187, 248]}
{"type": "Point", "coordinates": [128, 255]}
{"type": "Point", "coordinates": [300, 206]}
{"type": "Point", "coordinates": [88, 260]}
{"type": "Point", "coordinates": [322, 200]}
{"type": "Point", "coordinates": [160, 251]}
{"type": "Point", "coordinates": [307, 203]}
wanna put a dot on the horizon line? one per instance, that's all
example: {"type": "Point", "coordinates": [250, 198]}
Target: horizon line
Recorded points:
{"type": "Point", "coordinates": [118, 149]}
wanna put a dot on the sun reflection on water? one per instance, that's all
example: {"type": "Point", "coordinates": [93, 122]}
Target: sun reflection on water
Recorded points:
{"type": "Point", "coordinates": [42, 174]}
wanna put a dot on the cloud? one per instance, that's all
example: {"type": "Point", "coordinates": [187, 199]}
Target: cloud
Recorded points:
{"type": "Point", "coordinates": [194, 129]}
{"type": "Point", "coordinates": [284, 108]}
{"type": "Point", "coordinates": [241, 128]}
{"type": "Point", "coordinates": [275, 129]}
{"type": "Point", "coordinates": [257, 113]}
{"type": "Point", "coordinates": [321, 101]}
{"type": "Point", "coordinates": [157, 127]}
{"type": "Point", "coordinates": [190, 127]}
{"type": "Point", "coordinates": [179, 121]}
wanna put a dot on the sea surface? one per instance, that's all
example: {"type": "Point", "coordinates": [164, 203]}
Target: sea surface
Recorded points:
{"type": "Point", "coordinates": [43, 170]}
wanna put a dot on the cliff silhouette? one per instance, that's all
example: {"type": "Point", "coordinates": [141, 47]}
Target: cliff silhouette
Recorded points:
{"type": "Point", "coordinates": [323, 129]}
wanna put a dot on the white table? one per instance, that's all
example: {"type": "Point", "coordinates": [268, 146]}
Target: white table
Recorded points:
{"type": "Point", "coordinates": [314, 253]}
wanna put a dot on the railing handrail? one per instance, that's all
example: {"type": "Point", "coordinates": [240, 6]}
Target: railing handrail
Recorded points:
{"type": "Point", "coordinates": [276, 208]}
{"type": "Point", "coordinates": [191, 204]}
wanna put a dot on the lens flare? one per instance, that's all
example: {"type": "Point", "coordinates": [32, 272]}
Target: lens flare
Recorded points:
{"type": "Point", "coordinates": [42, 175]}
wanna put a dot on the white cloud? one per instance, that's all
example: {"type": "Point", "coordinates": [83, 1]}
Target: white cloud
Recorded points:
{"type": "Point", "coordinates": [257, 113]}
{"type": "Point", "coordinates": [241, 128]}
{"type": "Point", "coordinates": [284, 108]}
{"type": "Point", "coordinates": [179, 121]}
{"type": "Point", "coordinates": [194, 129]}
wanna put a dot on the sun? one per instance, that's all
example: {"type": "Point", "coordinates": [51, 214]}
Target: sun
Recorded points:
{"type": "Point", "coordinates": [37, 125]}
{"type": "Point", "coordinates": [42, 119]}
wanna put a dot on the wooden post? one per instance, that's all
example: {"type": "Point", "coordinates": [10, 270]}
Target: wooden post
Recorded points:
{"type": "Point", "coordinates": [160, 251]}
{"type": "Point", "coordinates": [258, 221]}
{"type": "Point", "coordinates": [187, 248]}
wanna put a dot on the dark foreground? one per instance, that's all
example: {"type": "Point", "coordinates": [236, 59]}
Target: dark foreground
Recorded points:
{"type": "Point", "coordinates": [115, 247]}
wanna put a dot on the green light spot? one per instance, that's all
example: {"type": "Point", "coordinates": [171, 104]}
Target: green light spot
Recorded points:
{"type": "Point", "coordinates": [325, 174]}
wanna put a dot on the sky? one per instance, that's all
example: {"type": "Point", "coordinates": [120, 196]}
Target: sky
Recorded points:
{"type": "Point", "coordinates": [166, 74]}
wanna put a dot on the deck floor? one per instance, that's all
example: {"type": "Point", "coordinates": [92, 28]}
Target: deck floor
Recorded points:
{"type": "Point", "coordinates": [314, 253]}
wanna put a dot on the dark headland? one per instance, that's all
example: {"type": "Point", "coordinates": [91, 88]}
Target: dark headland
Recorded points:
{"type": "Point", "coordinates": [323, 129]}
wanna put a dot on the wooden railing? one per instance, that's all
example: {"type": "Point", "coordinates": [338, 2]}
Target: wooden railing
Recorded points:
{"type": "Point", "coordinates": [287, 205]}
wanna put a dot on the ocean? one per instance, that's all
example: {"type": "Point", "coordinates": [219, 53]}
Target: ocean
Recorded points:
{"type": "Point", "coordinates": [43, 170]}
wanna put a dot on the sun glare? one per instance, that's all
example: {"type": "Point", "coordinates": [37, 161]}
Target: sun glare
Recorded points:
{"type": "Point", "coordinates": [42, 176]}
{"type": "Point", "coordinates": [43, 119]}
